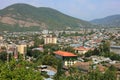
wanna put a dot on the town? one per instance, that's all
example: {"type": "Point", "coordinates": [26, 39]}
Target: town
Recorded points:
{"type": "Point", "coordinates": [65, 54]}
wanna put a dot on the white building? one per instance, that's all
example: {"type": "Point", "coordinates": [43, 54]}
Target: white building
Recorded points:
{"type": "Point", "coordinates": [50, 40]}
{"type": "Point", "coordinates": [68, 58]}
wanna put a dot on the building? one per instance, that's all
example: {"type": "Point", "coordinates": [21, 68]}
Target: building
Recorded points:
{"type": "Point", "coordinates": [12, 50]}
{"type": "Point", "coordinates": [22, 48]}
{"type": "Point", "coordinates": [50, 40]}
{"type": "Point", "coordinates": [115, 49]}
{"type": "Point", "coordinates": [68, 58]}
{"type": "Point", "coordinates": [81, 50]}
{"type": "Point", "coordinates": [1, 37]}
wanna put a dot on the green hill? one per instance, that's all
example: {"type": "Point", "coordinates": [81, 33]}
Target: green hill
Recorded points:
{"type": "Point", "coordinates": [109, 21]}
{"type": "Point", "coordinates": [19, 16]}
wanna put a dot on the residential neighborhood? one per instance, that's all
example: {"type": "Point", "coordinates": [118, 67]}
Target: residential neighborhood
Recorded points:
{"type": "Point", "coordinates": [76, 49]}
{"type": "Point", "coordinates": [60, 40]}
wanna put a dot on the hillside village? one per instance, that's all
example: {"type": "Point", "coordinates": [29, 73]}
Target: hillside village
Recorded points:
{"type": "Point", "coordinates": [53, 52]}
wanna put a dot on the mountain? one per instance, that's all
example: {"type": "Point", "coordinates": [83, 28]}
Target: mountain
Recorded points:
{"type": "Point", "coordinates": [27, 17]}
{"type": "Point", "coordinates": [110, 21]}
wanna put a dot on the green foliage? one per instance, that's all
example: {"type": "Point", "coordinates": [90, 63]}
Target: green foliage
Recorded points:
{"type": "Point", "coordinates": [50, 60]}
{"type": "Point", "coordinates": [109, 75]}
{"type": "Point", "coordinates": [114, 56]}
{"type": "Point", "coordinates": [37, 53]}
{"type": "Point", "coordinates": [95, 75]}
{"type": "Point", "coordinates": [17, 71]}
{"type": "Point", "coordinates": [112, 68]}
{"type": "Point", "coordinates": [45, 74]}
{"type": "Point", "coordinates": [59, 71]}
{"type": "Point", "coordinates": [34, 53]}
{"type": "Point", "coordinates": [109, 21]}
{"type": "Point", "coordinates": [89, 53]}
{"type": "Point", "coordinates": [29, 51]}
{"type": "Point", "coordinates": [103, 50]}
{"type": "Point", "coordinates": [51, 48]}
{"type": "Point", "coordinates": [75, 74]}
{"type": "Point", "coordinates": [106, 46]}
{"type": "Point", "coordinates": [38, 41]}
{"type": "Point", "coordinates": [69, 49]}
{"type": "Point", "coordinates": [3, 56]}
{"type": "Point", "coordinates": [11, 28]}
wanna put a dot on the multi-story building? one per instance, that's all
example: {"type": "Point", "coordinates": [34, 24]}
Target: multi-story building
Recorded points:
{"type": "Point", "coordinates": [22, 48]}
{"type": "Point", "coordinates": [68, 58]}
{"type": "Point", "coordinates": [50, 40]}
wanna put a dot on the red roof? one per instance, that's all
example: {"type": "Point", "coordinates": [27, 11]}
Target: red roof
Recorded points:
{"type": "Point", "coordinates": [64, 53]}
{"type": "Point", "coordinates": [81, 48]}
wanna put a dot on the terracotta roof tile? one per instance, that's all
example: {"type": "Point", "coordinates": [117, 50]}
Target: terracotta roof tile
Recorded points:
{"type": "Point", "coordinates": [64, 53]}
{"type": "Point", "coordinates": [81, 48]}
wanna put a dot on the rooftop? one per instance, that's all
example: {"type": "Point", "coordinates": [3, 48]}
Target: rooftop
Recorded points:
{"type": "Point", "coordinates": [64, 53]}
{"type": "Point", "coordinates": [81, 48]}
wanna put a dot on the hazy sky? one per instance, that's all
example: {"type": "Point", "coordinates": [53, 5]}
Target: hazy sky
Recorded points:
{"type": "Point", "coordinates": [82, 9]}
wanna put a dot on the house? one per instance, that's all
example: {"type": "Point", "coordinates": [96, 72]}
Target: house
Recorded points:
{"type": "Point", "coordinates": [81, 50]}
{"type": "Point", "coordinates": [68, 58]}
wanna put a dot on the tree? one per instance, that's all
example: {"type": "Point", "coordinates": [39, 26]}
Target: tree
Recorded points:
{"type": "Point", "coordinates": [106, 46]}
{"type": "Point", "coordinates": [50, 60]}
{"type": "Point", "coordinates": [112, 68]}
{"type": "Point", "coordinates": [89, 53]}
{"type": "Point", "coordinates": [114, 56]}
{"type": "Point", "coordinates": [36, 53]}
{"type": "Point", "coordinates": [3, 56]}
{"type": "Point", "coordinates": [69, 49]}
{"type": "Point", "coordinates": [109, 75]}
{"type": "Point", "coordinates": [95, 75]}
{"type": "Point", "coordinates": [38, 41]}
{"type": "Point", "coordinates": [59, 71]}
{"type": "Point", "coordinates": [18, 71]}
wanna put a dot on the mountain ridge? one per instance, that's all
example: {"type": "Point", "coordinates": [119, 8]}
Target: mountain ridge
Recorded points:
{"type": "Point", "coordinates": [25, 15]}
{"type": "Point", "coordinates": [111, 21]}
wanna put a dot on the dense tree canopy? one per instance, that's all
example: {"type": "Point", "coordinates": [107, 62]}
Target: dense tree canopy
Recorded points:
{"type": "Point", "coordinates": [18, 71]}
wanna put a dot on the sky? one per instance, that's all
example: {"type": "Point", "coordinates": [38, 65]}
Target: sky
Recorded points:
{"type": "Point", "coordinates": [82, 9]}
